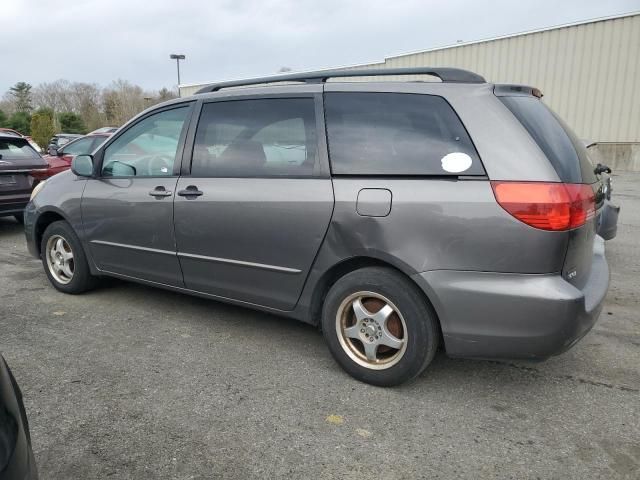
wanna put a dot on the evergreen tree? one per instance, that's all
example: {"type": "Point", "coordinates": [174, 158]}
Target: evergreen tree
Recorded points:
{"type": "Point", "coordinates": [71, 123]}
{"type": "Point", "coordinates": [42, 127]}
{"type": "Point", "coordinates": [21, 93]}
{"type": "Point", "coordinates": [20, 121]}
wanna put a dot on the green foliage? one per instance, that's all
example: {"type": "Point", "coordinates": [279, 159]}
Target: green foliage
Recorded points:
{"type": "Point", "coordinates": [3, 119]}
{"type": "Point", "coordinates": [42, 127]}
{"type": "Point", "coordinates": [71, 123]}
{"type": "Point", "coordinates": [45, 110]}
{"type": "Point", "coordinates": [20, 121]}
{"type": "Point", "coordinates": [21, 93]}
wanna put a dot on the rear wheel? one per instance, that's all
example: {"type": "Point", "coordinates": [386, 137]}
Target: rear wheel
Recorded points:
{"type": "Point", "coordinates": [379, 327]}
{"type": "Point", "coordinates": [64, 260]}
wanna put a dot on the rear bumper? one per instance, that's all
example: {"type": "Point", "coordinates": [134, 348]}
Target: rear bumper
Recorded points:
{"type": "Point", "coordinates": [507, 315]}
{"type": "Point", "coordinates": [12, 204]}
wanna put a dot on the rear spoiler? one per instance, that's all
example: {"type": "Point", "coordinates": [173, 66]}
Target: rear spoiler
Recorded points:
{"type": "Point", "coordinates": [516, 90]}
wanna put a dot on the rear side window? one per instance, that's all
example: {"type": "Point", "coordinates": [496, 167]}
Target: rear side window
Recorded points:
{"type": "Point", "coordinates": [256, 138]}
{"type": "Point", "coordinates": [562, 147]}
{"type": "Point", "coordinates": [397, 134]}
{"type": "Point", "coordinates": [16, 149]}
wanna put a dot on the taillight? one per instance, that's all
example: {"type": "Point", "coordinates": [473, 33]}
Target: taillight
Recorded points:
{"type": "Point", "coordinates": [547, 206]}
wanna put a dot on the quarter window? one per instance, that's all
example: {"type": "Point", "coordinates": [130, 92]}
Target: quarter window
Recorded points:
{"type": "Point", "coordinates": [148, 148]}
{"type": "Point", "coordinates": [397, 134]}
{"type": "Point", "coordinates": [256, 138]}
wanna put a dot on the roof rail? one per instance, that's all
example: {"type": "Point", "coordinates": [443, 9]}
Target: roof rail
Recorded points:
{"type": "Point", "coordinates": [448, 75]}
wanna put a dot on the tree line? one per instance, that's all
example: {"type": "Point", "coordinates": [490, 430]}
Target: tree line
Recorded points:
{"type": "Point", "coordinates": [73, 107]}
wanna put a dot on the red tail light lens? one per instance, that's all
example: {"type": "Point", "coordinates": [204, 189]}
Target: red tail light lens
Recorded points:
{"type": "Point", "coordinates": [547, 206]}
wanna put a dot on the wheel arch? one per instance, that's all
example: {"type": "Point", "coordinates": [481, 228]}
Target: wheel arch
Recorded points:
{"type": "Point", "coordinates": [348, 265]}
{"type": "Point", "coordinates": [45, 219]}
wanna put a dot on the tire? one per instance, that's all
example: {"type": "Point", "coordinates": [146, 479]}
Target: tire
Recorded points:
{"type": "Point", "coordinates": [19, 218]}
{"type": "Point", "coordinates": [80, 280]}
{"type": "Point", "coordinates": [394, 313]}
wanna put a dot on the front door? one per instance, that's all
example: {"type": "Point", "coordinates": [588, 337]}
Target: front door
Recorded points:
{"type": "Point", "coordinates": [127, 212]}
{"type": "Point", "coordinates": [254, 210]}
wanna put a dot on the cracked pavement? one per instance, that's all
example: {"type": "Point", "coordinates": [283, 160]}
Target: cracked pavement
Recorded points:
{"type": "Point", "coordinates": [131, 382]}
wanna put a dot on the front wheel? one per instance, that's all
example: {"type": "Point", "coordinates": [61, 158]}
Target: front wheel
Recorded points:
{"type": "Point", "coordinates": [379, 327]}
{"type": "Point", "coordinates": [64, 260]}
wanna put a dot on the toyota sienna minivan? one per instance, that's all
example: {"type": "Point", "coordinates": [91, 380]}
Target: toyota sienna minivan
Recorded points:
{"type": "Point", "coordinates": [396, 216]}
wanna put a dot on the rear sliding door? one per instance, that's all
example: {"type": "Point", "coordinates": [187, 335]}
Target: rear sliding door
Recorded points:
{"type": "Point", "coordinates": [252, 214]}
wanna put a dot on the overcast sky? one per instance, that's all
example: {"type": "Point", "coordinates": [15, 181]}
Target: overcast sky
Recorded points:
{"type": "Point", "coordinates": [102, 40]}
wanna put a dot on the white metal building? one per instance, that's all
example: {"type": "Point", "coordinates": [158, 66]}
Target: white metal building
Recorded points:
{"type": "Point", "coordinates": [589, 73]}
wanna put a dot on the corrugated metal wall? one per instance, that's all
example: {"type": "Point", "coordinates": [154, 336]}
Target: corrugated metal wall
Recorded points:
{"type": "Point", "coordinates": [589, 73]}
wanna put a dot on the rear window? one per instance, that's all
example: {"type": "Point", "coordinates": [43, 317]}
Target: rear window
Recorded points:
{"type": "Point", "coordinates": [397, 134]}
{"type": "Point", "coordinates": [562, 147]}
{"type": "Point", "coordinates": [16, 149]}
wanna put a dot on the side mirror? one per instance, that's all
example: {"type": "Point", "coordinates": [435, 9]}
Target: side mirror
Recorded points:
{"type": "Point", "coordinates": [53, 151]}
{"type": "Point", "coordinates": [82, 165]}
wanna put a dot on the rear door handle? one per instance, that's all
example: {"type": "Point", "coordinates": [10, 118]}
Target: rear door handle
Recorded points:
{"type": "Point", "coordinates": [159, 192]}
{"type": "Point", "coordinates": [190, 191]}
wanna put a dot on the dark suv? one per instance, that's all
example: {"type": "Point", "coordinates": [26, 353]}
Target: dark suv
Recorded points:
{"type": "Point", "coordinates": [397, 216]}
{"type": "Point", "coordinates": [18, 162]}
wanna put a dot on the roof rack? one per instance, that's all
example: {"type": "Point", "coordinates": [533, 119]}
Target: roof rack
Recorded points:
{"type": "Point", "coordinates": [448, 75]}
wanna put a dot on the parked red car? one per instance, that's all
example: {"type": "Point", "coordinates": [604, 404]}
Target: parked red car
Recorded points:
{"type": "Point", "coordinates": [59, 160]}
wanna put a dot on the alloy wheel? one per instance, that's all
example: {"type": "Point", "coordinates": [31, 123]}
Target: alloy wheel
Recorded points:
{"type": "Point", "coordinates": [371, 330]}
{"type": "Point", "coordinates": [60, 261]}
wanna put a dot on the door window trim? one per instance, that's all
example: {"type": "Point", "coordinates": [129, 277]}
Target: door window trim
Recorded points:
{"type": "Point", "coordinates": [99, 155]}
{"type": "Point", "coordinates": [321, 167]}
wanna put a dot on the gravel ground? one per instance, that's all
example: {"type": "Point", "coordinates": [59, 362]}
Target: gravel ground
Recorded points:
{"type": "Point", "coordinates": [132, 382]}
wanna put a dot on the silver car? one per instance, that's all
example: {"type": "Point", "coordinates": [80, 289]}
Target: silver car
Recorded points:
{"type": "Point", "coordinates": [399, 217]}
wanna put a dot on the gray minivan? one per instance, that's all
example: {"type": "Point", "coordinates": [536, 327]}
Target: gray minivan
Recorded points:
{"type": "Point", "coordinates": [397, 216]}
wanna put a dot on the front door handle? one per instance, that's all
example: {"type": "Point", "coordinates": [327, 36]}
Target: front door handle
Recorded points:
{"type": "Point", "coordinates": [190, 191]}
{"type": "Point", "coordinates": [159, 192]}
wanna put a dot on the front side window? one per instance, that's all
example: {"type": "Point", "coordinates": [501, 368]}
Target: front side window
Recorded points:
{"type": "Point", "coordinates": [148, 148]}
{"type": "Point", "coordinates": [256, 138]}
{"type": "Point", "coordinates": [397, 134]}
{"type": "Point", "coordinates": [79, 147]}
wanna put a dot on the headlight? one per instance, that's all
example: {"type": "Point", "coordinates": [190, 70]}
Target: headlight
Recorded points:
{"type": "Point", "coordinates": [36, 189]}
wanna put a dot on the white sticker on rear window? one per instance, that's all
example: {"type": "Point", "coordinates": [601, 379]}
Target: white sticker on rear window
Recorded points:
{"type": "Point", "coordinates": [456, 162]}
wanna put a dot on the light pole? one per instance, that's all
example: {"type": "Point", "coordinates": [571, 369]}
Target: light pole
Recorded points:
{"type": "Point", "coordinates": [177, 58]}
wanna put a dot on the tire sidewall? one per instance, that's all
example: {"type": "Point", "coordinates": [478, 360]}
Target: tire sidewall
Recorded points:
{"type": "Point", "coordinates": [421, 328]}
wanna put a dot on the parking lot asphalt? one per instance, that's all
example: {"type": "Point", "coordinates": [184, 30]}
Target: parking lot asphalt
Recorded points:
{"type": "Point", "coordinates": [137, 383]}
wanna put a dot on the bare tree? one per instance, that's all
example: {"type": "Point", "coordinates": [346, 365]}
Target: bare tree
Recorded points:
{"type": "Point", "coordinates": [122, 101]}
{"type": "Point", "coordinates": [97, 106]}
{"type": "Point", "coordinates": [87, 99]}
